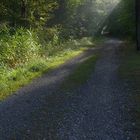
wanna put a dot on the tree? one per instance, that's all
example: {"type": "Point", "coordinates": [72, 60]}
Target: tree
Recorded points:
{"type": "Point", "coordinates": [121, 22]}
{"type": "Point", "coordinates": [138, 24]}
{"type": "Point", "coordinates": [27, 12]}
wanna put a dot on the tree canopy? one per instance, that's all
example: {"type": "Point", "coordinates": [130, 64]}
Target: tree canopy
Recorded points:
{"type": "Point", "coordinates": [121, 21]}
{"type": "Point", "coordinates": [76, 17]}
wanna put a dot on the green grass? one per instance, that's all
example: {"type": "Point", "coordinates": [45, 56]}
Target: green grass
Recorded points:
{"type": "Point", "coordinates": [81, 74]}
{"type": "Point", "coordinates": [130, 70]}
{"type": "Point", "coordinates": [130, 67]}
{"type": "Point", "coordinates": [99, 40]}
{"type": "Point", "coordinates": [13, 79]}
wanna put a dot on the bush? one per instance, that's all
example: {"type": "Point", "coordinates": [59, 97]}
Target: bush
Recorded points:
{"type": "Point", "coordinates": [19, 47]}
{"type": "Point", "coordinates": [48, 35]}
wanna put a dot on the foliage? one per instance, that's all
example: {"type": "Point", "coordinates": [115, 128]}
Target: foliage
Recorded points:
{"type": "Point", "coordinates": [17, 48]}
{"type": "Point", "coordinates": [76, 18]}
{"type": "Point", "coordinates": [130, 72]}
{"type": "Point", "coordinates": [27, 12]}
{"type": "Point", "coordinates": [122, 20]}
{"type": "Point", "coordinates": [130, 68]}
{"type": "Point", "coordinates": [34, 32]}
{"type": "Point", "coordinates": [12, 77]}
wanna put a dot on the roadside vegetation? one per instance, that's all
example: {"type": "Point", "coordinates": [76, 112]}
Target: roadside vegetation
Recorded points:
{"type": "Point", "coordinates": [121, 22]}
{"type": "Point", "coordinates": [130, 71]}
{"type": "Point", "coordinates": [36, 36]}
{"type": "Point", "coordinates": [131, 62]}
{"type": "Point", "coordinates": [81, 74]}
{"type": "Point", "coordinates": [18, 69]}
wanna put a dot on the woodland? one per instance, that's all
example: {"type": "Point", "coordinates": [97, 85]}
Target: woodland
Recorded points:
{"type": "Point", "coordinates": [38, 34]}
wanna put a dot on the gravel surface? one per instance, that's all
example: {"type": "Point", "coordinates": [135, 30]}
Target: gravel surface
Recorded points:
{"type": "Point", "coordinates": [98, 110]}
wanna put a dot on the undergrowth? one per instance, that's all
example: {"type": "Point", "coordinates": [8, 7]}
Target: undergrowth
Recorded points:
{"type": "Point", "coordinates": [130, 71]}
{"type": "Point", "coordinates": [25, 54]}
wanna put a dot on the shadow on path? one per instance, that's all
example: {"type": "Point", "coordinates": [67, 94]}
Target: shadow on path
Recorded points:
{"type": "Point", "coordinates": [98, 110]}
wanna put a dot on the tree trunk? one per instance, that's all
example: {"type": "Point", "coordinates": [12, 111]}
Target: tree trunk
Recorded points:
{"type": "Point", "coordinates": [138, 24]}
{"type": "Point", "coordinates": [23, 9]}
{"type": "Point", "coordinates": [23, 12]}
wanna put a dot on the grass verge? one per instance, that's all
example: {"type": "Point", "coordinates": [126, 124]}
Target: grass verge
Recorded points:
{"type": "Point", "coordinates": [130, 67]}
{"type": "Point", "coordinates": [11, 80]}
{"type": "Point", "coordinates": [81, 74]}
{"type": "Point", "coordinates": [130, 70]}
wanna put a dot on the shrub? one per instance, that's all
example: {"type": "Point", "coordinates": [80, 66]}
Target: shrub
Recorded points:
{"type": "Point", "coordinates": [19, 47]}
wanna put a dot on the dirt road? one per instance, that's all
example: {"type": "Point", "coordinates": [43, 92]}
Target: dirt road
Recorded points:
{"type": "Point", "coordinates": [98, 110]}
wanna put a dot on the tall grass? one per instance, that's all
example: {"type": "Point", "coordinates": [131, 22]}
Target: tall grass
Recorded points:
{"type": "Point", "coordinates": [17, 47]}
{"type": "Point", "coordinates": [27, 53]}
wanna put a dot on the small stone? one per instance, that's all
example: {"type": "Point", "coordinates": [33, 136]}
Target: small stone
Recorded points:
{"type": "Point", "coordinates": [28, 131]}
{"type": "Point", "coordinates": [133, 124]}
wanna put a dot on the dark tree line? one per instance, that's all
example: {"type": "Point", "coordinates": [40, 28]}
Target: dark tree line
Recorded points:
{"type": "Point", "coordinates": [75, 18]}
{"type": "Point", "coordinates": [124, 21]}
{"type": "Point", "coordinates": [137, 6]}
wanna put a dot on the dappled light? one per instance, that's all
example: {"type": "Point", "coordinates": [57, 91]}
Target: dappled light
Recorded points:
{"type": "Point", "coordinates": [69, 70]}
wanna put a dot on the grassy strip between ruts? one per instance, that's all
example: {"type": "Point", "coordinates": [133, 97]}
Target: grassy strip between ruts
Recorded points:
{"type": "Point", "coordinates": [81, 73]}
{"type": "Point", "coordinates": [130, 70]}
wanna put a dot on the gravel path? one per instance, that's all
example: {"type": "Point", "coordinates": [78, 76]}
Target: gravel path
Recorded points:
{"type": "Point", "coordinates": [98, 110]}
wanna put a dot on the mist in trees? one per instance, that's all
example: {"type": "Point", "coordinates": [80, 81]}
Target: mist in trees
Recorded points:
{"type": "Point", "coordinates": [122, 20]}
{"type": "Point", "coordinates": [75, 17]}
{"type": "Point", "coordinates": [52, 22]}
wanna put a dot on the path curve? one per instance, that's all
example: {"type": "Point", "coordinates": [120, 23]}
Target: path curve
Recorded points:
{"type": "Point", "coordinates": [98, 110]}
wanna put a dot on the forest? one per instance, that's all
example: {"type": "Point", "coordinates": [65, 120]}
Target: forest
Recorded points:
{"type": "Point", "coordinates": [69, 69]}
{"type": "Point", "coordinates": [34, 34]}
